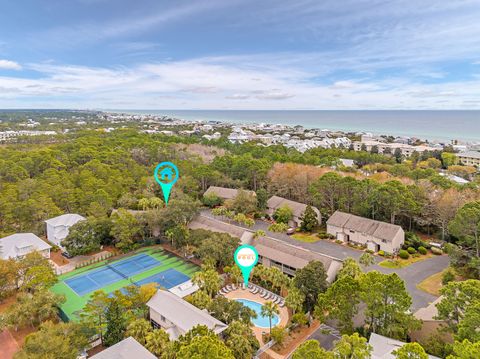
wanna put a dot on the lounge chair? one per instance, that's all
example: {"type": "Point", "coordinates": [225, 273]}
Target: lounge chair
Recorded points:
{"type": "Point", "coordinates": [228, 288]}
{"type": "Point", "coordinates": [255, 290]}
{"type": "Point", "coordinates": [282, 304]}
{"type": "Point", "coordinates": [234, 287]}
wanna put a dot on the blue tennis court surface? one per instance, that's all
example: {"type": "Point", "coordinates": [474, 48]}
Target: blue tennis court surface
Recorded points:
{"type": "Point", "coordinates": [111, 273]}
{"type": "Point", "coordinates": [167, 279]}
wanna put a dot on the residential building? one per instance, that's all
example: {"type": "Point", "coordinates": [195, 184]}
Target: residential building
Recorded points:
{"type": "Point", "coordinates": [225, 193]}
{"type": "Point", "coordinates": [405, 149]}
{"type": "Point", "coordinates": [297, 208]}
{"type": "Point", "coordinates": [20, 244]}
{"type": "Point", "coordinates": [288, 258]}
{"type": "Point", "coordinates": [126, 349]}
{"type": "Point", "coordinates": [375, 235]}
{"type": "Point", "coordinates": [383, 347]}
{"type": "Point", "coordinates": [469, 158]}
{"type": "Point", "coordinates": [176, 316]}
{"type": "Point", "coordinates": [58, 227]}
{"type": "Point", "coordinates": [430, 325]}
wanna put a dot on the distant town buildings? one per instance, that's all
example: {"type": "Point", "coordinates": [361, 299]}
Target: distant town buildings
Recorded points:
{"type": "Point", "coordinates": [9, 135]}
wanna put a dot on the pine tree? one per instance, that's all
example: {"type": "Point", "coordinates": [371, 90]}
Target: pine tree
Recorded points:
{"type": "Point", "coordinates": [116, 324]}
{"type": "Point", "coordinates": [309, 219]}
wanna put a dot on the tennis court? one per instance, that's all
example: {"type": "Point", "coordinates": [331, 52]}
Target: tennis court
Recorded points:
{"type": "Point", "coordinates": [111, 273]}
{"type": "Point", "coordinates": [167, 279]}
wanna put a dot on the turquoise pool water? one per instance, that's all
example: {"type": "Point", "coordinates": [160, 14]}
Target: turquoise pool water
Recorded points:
{"type": "Point", "coordinates": [260, 321]}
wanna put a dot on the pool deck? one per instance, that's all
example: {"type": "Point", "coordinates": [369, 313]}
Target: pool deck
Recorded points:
{"type": "Point", "coordinates": [245, 294]}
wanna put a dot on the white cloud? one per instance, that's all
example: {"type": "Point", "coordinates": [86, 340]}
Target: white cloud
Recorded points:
{"type": "Point", "coordinates": [207, 83]}
{"type": "Point", "coordinates": [9, 65]}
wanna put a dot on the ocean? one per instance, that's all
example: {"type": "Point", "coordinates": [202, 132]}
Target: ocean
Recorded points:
{"type": "Point", "coordinates": [442, 126]}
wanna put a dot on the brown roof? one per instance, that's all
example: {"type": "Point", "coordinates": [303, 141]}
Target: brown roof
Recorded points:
{"type": "Point", "coordinates": [297, 208]}
{"type": "Point", "coordinates": [225, 193]}
{"type": "Point", "coordinates": [290, 255]}
{"type": "Point", "coordinates": [374, 228]}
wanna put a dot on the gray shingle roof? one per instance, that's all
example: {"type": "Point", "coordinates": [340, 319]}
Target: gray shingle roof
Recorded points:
{"type": "Point", "coordinates": [225, 193]}
{"type": "Point", "coordinates": [67, 220]}
{"type": "Point", "coordinates": [384, 346]}
{"type": "Point", "coordinates": [126, 349]}
{"type": "Point", "coordinates": [181, 313]}
{"type": "Point", "coordinates": [297, 208]}
{"type": "Point", "coordinates": [374, 228]}
{"type": "Point", "coordinates": [10, 245]}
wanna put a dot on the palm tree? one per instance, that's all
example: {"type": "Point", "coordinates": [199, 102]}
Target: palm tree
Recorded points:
{"type": "Point", "coordinates": [157, 341]}
{"type": "Point", "coordinates": [269, 309]}
{"type": "Point", "coordinates": [139, 329]}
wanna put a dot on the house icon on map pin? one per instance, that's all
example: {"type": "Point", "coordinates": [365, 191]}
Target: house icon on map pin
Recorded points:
{"type": "Point", "coordinates": [166, 172]}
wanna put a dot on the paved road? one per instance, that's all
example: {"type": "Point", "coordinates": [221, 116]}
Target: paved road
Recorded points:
{"type": "Point", "coordinates": [412, 275]}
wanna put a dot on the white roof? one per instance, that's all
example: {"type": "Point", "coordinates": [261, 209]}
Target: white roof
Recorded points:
{"type": "Point", "coordinates": [126, 349]}
{"type": "Point", "coordinates": [383, 347]}
{"type": "Point", "coordinates": [183, 314]}
{"type": "Point", "coordinates": [184, 289]}
{"type": "Point", "coordinates": [66, 220]}
{"type": "Point", "coordinates": [9, 246]}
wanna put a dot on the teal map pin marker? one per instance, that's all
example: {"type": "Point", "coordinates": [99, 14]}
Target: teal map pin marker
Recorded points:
{"type": "Point", "coordinates": [246, 257]}
{"type": "Point", "coordinates": [166, 174]}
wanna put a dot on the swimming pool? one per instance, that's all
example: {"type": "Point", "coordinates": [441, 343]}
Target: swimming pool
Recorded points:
{"type": "Point", "coordinates": [260, 321]}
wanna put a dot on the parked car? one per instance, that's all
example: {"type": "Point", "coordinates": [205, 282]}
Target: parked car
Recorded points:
{"type": "Point", "coordinates": [291, 231]}
{"type": "Point", "coordinates": [67, 255]}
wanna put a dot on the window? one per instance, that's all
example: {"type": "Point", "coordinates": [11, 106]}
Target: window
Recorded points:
{"type": "Point", "coordinates": [162, 318]}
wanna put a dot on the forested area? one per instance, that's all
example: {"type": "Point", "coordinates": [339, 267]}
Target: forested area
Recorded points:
{"type": "Point", "coordinates": [92, 173]}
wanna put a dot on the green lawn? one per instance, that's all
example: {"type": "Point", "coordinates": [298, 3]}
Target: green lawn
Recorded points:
{"type": "Point", "coordinates": [74, 303]}
{"type": "Point", "coordinates": [400, 263]}
{"type": "Point", "coordinates": [305, 237]}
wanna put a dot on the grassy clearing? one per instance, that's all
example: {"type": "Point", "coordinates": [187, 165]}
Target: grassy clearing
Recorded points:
{"type": "Point", "coordinates": [305, 237]}
{"type": "Point", "coordinates": [432, 284]}
{"type": "Point", "coordinates": [401, 263]}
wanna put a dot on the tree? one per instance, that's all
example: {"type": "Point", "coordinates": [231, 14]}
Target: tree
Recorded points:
{"type": "Point", "coordinates": [212, 200]}
{"type": "Point", "coordinates": [366, 259]}
{"type": "Point", "coordinates": [326, 192]}
{"type": "Point", "coordinates": [352, 347]}
{"type": "Point", "coordinates": [139, 329]}
{"type": "Point", "coordinates": [87, 236]}
{"type": "Point", "coordinates": [259, 233]}
{"type": "Point", "coordinates": [218, 247]}
{"type": "Point", "coordinates": [200, 299]}
{"type": "Point", "coordinates": [397, 153]}
{"type": "Point", "coordinates": [309, 219]}
{"type": "Point", "coordinates": [410, 351]}
{"type": "Point", "coordinates": [116, 324]}
{"type": "Point", "coordinates": [457, 297]}
{"type": "Point", "coordinates": [241, 340]}
{"type": "Point", "coordinates": [157, 341]}
{"type": "Point", "coordinates": [350, 268]}
{"type": "Point", "coordinates": [227, 311]}
{"type": "Point", "coordinates": [208, 280]}
{"type": "Point", "coordinates": [125, 229]}
{"type": "Point", "coordinates": [244, 202]}
{"type": "Point", "coordinates": [311, 280]}
{"type": "Point", "coordinates": [34, 272]}
{"type": "Point", "coordinates": [278, 334]}
{"type": "Point", "coordinates": [448, 159]}
{"type": "Point", "coordinates": [32, 309]}
{"type": "Point", "coordinates": [94, 312]}
{"type": "Point", "coordinates": [388, 304]}
{"type": "Point", "coordinates": [283, 214]}
{"type": "Point", "coordinates": [262, 198]}
{"type": "Point", "coordinates": [469, 326]}
{"type": "Point", "coordinates": [294, 299]}
{"type": "Point", "coordinates": [7, 277]}
{"type": "Point", "coordinates": [340, 302]}
{"type": "Point", "coordinates": [311, 349]}
{"type": "Point", "coordinates": [466, 226]}
{"type": "Point", "coordinates": [62, 340]}
{"type": "Point", "coordinates": [234, 273]}
{"type": "Point", "coordinates": [465, 350]}
{"type": "Point", "coordinates": [269, 309]}
{"type": "Point", "coordinates": [178, 235]}
{"type": "Point", "coordinates": [205, 347]}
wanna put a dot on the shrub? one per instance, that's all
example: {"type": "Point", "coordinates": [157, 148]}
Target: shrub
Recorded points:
{"type": "Point", "coordinates": [212, 200]}
{"type": "Point", "coordinates": [300, 319]}
{"type": "Point", "coordinates": [411, 250]}
{"type": "Point", "coordinates": [403, 254]}
{"type": "Point", "coordinates": [278, 227]}
{"type": "Point", "coordinates": [338, 241]}
{"type": "Point", "coordinates": [381, 253]}
{"type": "Point", "coordinates": [436, 251]}
{"type": "Point", "coordinates": [448, 276]}
{"type": "Point", "coordinates": [279, 334]}
{"type": "Point", "coordinates": [369, 251]}
{"type": "Point", "coordinates": [422, 250]}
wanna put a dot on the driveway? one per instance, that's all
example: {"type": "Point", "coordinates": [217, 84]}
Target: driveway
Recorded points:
{"type": "Point", "coordinates": [412, 275]}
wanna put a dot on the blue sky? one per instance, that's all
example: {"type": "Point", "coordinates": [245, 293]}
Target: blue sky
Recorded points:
{"type": "Point", "coordinates": [229, 54]}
